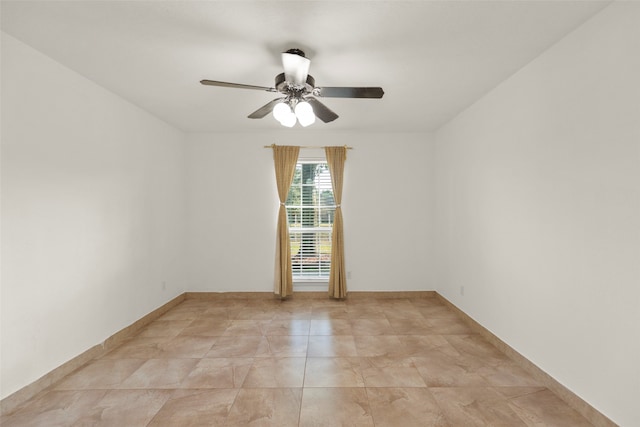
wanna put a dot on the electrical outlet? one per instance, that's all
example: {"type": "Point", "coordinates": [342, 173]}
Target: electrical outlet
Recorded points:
{"type": "Point", "coordinates": [348, 275]}
{"type": "Point", "coordinates": [462, 290]}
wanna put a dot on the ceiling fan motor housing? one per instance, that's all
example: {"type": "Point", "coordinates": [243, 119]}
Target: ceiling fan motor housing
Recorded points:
{"type": "Point", "coordinates": [283, 86]}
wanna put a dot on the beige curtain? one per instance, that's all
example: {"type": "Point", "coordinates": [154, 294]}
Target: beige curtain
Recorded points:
{"type": "Point", "coordinates": [336, 157]}
{"type": "Point", "coordinates": [285, 159]}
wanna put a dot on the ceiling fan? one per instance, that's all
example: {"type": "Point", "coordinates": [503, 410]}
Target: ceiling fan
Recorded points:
{"type": "Point", "coordinates": [299, 90]}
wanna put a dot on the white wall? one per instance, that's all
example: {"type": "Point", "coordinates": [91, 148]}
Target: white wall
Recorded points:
{"type": "Point", "coordinates": [92, 211]}
{"type": "Point", "coordinates": [538, 211]}
{"type": "Point", "coordinates": [233, 207]}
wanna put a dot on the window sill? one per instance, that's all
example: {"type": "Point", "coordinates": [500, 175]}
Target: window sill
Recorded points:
{"type": "Point", "coordinates": [307, 285]}
{"type": "Point", "coordinates": [305, 280]}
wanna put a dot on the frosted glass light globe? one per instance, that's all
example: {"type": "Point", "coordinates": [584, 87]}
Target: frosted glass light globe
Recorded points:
{"type": "Point", "coordinates": [304, 113]}
{"type": "Point", "coordinates": [289, 120]}
{"type": "Point", "coordinates": [281, 110]}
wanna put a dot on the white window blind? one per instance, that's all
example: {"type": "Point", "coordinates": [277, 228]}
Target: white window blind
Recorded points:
{"type": "Point", "coordinates": [310, 211]}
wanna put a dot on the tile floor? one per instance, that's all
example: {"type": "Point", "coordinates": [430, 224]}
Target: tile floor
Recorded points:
{"type": "Point", "coordinates": [302, 362]}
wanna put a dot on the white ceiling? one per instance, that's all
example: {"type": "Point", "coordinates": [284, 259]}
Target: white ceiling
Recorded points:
{"type": "Point", "coordinates": [432, 58]}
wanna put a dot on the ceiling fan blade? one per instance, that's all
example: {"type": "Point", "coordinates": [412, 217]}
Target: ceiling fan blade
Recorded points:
{"type": "Point", "coordinates": [296, 67]}
{"type": "Point", "coordinates": [349, 92]}
{"type": "Point", "coordinates": [265, 109]}
{"type": "Point", "coordinates": [236, 85]}
{"type": "Point", "coordinates": [320, 110]}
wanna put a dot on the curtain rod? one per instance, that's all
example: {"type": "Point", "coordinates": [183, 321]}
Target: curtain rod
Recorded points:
{"type": "Point", "coordinates": [308, 146]}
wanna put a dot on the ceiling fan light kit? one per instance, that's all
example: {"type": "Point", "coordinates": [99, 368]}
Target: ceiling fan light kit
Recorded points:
{"type": "Point", "coordinates": [299, 103]}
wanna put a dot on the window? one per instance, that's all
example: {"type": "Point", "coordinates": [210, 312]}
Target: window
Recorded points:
{"type": "Point", "coordinates": [310, 210]}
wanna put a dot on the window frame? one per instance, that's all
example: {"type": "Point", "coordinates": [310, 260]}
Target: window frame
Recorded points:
{"type": "Point", "coordinates": [310, 280]}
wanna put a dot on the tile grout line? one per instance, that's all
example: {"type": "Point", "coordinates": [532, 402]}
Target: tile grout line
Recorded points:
{"type": "Point", "coordinates": [304, 379]}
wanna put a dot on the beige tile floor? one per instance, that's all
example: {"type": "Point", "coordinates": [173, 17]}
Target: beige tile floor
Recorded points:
{"type": "Point", "coordinates": [301, 362]}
